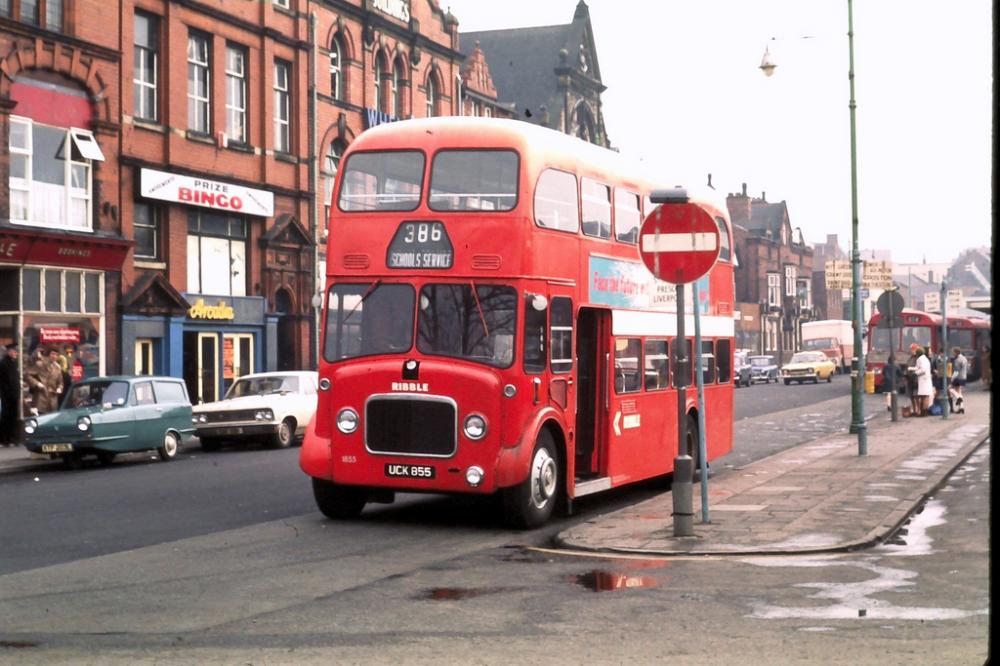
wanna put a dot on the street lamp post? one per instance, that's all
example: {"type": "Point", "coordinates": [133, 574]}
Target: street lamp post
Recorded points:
{"type": "Point", "coordinates": [857, 406]}
{"type": "Point", "coordinates": [767, 65]}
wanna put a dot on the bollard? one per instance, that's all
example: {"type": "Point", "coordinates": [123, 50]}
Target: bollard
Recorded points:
{"type": "Point", "coordinates": [681, 489]}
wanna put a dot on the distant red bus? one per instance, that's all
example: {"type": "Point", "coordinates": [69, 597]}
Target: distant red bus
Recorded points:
{"type": "Point", "coordinates": [924, 328]}
{"type": "Point", "coordinates": [488, 326]}
{"type": "Point", "coordinates": [971, 335]}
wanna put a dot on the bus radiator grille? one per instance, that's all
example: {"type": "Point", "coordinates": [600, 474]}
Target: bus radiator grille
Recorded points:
{"type": "Point", "coordinates": [401, 425]}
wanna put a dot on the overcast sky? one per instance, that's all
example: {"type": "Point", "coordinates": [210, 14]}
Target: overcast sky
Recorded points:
{"type": "Point", "coordinates": [685, 95]}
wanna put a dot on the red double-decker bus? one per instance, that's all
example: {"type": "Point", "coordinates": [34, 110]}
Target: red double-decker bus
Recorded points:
{"type": "Point", "coordinates": [488, 326]}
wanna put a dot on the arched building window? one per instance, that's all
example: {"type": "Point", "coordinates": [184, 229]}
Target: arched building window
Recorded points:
{"type": "Point", "coordinates": [397, 88]}
{"type": "Point", "coordinates": [336, 68]}
{"type": "Point", "coordinates": [585, 123]}
{"type": "Point", "coordinates": [432, 95]}
{"type": "Point", "coordinates": [379, 65]}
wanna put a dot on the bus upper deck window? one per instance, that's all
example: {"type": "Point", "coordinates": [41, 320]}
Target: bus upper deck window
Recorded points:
{"type": "Point", "coordinates": [556, 205]}
{"type": "Point", "coordinates": [724, 252]}
{"type": "Point", "coordinates": [596, 208]}
{"type": "Point", "coordinates": [473, 180]}
{"type": "Point", "coordinates": [382, 180]}
{"type": "Point", "coordinates": [627, 216]}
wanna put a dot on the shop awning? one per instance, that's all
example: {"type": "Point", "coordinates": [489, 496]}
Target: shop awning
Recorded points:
{"type": "Point", "coordinates": [42, 246]}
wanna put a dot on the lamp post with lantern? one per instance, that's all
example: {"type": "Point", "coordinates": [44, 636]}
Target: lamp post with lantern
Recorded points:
{"type": "Point", "coordinates": [767, 65]}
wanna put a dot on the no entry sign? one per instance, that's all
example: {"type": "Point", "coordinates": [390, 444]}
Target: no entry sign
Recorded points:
{"type": "Point", "coordinates": [679, 242]}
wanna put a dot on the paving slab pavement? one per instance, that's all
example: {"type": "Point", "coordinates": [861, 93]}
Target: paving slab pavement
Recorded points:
{"type": "Point", "coordinates": [820, 496]}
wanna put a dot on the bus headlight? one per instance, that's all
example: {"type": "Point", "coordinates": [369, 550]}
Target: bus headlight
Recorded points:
{"type": "Point", "coordinates": [347, 420]}
{"type": "Point", "coordinates": [474, 427]}
{"type": "Point", "coordinates": [30, 426]}
{"type": "Point", "coordinates": [83, 423]}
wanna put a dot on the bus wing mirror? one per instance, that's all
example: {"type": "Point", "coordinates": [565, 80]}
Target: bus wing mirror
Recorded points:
{"type": "Point", "coordinates": [539, 302]}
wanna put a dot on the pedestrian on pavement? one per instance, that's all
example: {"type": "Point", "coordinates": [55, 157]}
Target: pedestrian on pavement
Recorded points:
{"type": "Point", "coordinates": [939, 375]}
{"type": "Point", "coordinates": [10, 396]}
{"type": "Point", "coordinates": [44, 379]}
{"type": "Point", "coordinates": [925, 385]}
{"type": "Point", "coordinates": [911, 381]}
{"type": "Point", "coordinates": [960, 373]}
{"type": "Point", "coordinates": [892, 378]}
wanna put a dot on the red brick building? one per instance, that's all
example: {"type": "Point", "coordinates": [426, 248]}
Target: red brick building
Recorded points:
{"type": "Point", "coordinates": [205, 137]}
{"type": "Point", "coordinates": [62, 245]}
{"type": "Point", "coordinates": [774, 276]}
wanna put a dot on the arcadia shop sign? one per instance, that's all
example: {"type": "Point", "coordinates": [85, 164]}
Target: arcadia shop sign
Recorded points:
{"type": "Point", "coordinates": [206, 193]}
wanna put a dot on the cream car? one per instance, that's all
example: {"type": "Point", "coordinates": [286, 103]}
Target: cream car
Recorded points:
{"type": "Point", "coordinates": [271, 406]}
{"type": "Point", "coordinates": [808, 366]}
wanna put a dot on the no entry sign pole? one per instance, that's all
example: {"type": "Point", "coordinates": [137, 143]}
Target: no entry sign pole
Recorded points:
{"type": "Point", "coordinates": [679, 243]}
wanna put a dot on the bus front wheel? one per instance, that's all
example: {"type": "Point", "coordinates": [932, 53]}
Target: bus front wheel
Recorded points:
{"type": "Point", "coordinates": [530, 503]}
{"type": "Point", "coordinates": [337, 501]}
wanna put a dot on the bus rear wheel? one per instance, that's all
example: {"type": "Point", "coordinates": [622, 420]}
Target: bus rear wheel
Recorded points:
{"type": "Point", "coordinates": [337, 501]}
{"type": "Point", "coordinates": [531, 502]}
{"type": "Point", "coordinates": [692, 448]}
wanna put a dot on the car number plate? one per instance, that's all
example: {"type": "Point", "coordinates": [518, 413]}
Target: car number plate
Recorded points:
{"type": "Point", "coordinates": [409, 471]}
{"type": "Point", "coordinates": [57, 448]}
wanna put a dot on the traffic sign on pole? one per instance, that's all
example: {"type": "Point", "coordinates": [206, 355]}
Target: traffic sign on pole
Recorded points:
{"type": "Point", "coordinates": [679, 242]}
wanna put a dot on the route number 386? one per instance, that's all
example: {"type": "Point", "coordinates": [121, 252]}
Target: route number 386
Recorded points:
{"type": "Point", "coordinates": [422, 232]}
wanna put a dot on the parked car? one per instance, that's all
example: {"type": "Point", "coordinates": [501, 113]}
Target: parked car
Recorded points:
{"type": "Point", "coordinates": [763, 368]}
{"type": "Point", "coordinates": [105, 416]}
{"type": "Point", "coordinates": [808, 366]}
{"type": "Point", "coordinates": [273, 407]}
{"type": "Point", "coordinates": [741, 376]}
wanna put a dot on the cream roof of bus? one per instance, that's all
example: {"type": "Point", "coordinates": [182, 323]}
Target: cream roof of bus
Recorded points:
{"type": "Point", "coordinates": [496, 133]}
{"type": "Point", "coordinates": [502, 132]}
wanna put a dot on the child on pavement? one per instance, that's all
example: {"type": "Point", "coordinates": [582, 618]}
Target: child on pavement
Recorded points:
{"type": "Point", "coordinates": [960, 373]}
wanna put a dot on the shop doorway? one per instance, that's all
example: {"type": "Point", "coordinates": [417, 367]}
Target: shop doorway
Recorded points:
{"type": "Point", "coordinates": [201, 366]}
{"type": "Point", "coordinates": [286, 331]}
{"type": "Point", "coordinates": [237, 357]}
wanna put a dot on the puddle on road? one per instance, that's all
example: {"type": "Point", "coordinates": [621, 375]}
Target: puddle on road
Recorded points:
{"type": "Point", "coordinates": [608, 581]}
{"type": "Point", "coordinates": [460, 593]}
{"type": "Point", "coordinates": [855, 600]}
{"type": "Point", "coordinates": [912, 538]}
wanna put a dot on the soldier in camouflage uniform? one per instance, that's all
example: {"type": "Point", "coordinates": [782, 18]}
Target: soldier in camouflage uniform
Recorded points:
{"type": "Point", "coordinates": [44, 379]}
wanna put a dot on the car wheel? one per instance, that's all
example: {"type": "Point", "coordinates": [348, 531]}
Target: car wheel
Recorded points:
{"type": "Point", "coordinates": [105, 457]}
{"type": "Point", "coordinates": [337, 501]}
{"type": "Point", "coordinates": [829, 377]}
{"type": "Point", "coordinates": [73, 461]}
{"type": "Point", "coordinates": [816, 380]}
{"type": "Point", "coordinates": [283, 437]}
{"type": "Point", "coordinates": [171, 445]}
{"type": "Point", "coordinates": [530, 503]}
